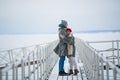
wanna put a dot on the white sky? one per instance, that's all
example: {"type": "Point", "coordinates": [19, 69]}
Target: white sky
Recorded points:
{"type": "Point", "coordinates": [43, 16]}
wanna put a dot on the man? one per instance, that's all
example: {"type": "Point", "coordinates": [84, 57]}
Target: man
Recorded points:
{"type": "Point", "coordinates": [62, 46]}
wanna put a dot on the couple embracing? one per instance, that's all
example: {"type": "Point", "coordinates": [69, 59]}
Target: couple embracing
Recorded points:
{"type": "Point", "coordinates": [65, 48]}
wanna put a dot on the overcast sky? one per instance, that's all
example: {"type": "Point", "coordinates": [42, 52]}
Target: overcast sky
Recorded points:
{"type": "Point", "coordinates": [43, 16]}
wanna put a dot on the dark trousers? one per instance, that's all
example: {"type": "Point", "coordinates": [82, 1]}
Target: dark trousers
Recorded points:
{"type": "Point", "coordinates": [61, 63]}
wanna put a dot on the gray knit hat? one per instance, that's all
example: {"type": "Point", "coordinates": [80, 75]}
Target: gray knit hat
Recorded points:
{"type": "Point", "coordinates": [64, 22]}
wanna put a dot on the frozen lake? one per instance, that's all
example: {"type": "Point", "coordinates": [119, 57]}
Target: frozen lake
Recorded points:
{"type": "Point", "coordinates": [17, 41]}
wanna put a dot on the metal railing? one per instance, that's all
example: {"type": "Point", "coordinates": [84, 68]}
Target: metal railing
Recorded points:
{"type": "Point", "coordinates": [94, 63]}
{"type": "Point", "coordinates": [37, 63]}
{"type": "Point", "coordinates": [112, 51]}
{"type": "Point", "coordinates": [13, 55]}
{"type": "Point", "coordinates": [34, 64]}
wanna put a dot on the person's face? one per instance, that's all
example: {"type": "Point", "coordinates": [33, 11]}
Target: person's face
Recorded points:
{"type": "Point", "coordinates": [68, 32]}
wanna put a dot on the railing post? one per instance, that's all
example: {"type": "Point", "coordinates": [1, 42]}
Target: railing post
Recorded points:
{"type": "Point", "coordinates": [9, 52]}
{"type": "Point", "coordinates": [114, 74]}
{"type": "Point", "coordinates": [43, 64]}
{"type": "Point", "coordinates": [29, 73]}
{"type": "Point", "coordinates": [102, 69]}
{"type": "Point", "coordinates": [97, 68]}
{"type": "Point", "coordinates": [22, 70]}
{"type": "Point", "coordinates": [40, 63]}
{"type": "Point", "coordinates": [16, 69]}
{"type": "Point", "coordinates": [107, 70]}
{"type": "Point", "coordinates": [0, 74]}
{"type": "Point", "coordinates": [37, 62]}
{"type": "Point", "coordinates": [113, 52]}
{"type": "Point", "coordinates": [118, 55]}
{"type": "Point", "coordinates": [33, 65]}
{"type": "Point", "coordinates": [6, 74]}
{"type": "Point", "coordinates": [13, 72]}
{"type": "Point", "coordinates": [24, 51]}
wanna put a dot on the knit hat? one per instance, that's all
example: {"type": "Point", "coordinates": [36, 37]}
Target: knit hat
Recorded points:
{"type": "Point", "coordinates": [64, 22]}
{"type": "Point", "coordinates": [62, 26]}
{"type": "Point", "coordinates": [68, 29]}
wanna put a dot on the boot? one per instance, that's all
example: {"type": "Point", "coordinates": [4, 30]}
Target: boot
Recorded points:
{"type": "Point", "coordinates": [76, 71]}
{"type": "Point", "coordinates": [63, 73]}
{"type": "Point", "coordinates": [70, 71]}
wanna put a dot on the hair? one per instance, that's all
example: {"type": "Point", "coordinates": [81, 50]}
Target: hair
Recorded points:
{"type": "Point", "coordinates": [68, 29]}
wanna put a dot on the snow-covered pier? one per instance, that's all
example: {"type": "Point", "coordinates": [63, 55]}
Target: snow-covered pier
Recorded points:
{"type": "Point", "coordinates": [39, 62]}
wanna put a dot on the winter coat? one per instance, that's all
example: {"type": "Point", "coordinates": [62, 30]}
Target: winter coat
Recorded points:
{"type": "Point", "coordinates": [61, 48]}
{"type": "Point", "coordinates": [71, 45]}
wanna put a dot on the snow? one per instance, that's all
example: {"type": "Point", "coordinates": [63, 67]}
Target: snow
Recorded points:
{"type": "Point", "coordinates": [17, 41]}
{"type": "Point", "coordinates": [54, 74]}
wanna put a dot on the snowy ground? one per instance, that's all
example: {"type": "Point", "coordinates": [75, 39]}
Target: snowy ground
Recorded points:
{"type": "Point", "coordinates": [81, 75]}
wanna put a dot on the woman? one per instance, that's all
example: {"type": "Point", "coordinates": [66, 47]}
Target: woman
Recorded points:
{"type": "Point", "coordinates": [71, 53]}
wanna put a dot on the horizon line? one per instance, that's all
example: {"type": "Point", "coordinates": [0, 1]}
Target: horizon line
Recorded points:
{"type": "Point", "coordinates": [81, 31]}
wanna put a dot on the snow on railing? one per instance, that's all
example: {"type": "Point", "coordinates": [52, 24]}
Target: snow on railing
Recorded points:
{"type": "Point", "coordinates": [94, 64]}
{"type": "Point", "coordinates": [13, 55]}
{"type": "Point", "coordinates": [34, 64]}
{"type": "Point", "coordinates": [112, 51]}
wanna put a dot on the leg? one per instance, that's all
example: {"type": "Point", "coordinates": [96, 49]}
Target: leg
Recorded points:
{"type": "Point", "coordinates": [74, 62]}
{"type": "Point", "coordinates": [75, 66]}
{"type": "Point", "coordinates": [71, 65]}
{"type": "Point", "coordinates": [61, 66]}
{"type": "Point", "coordinates": [61, 63]}
{"type": "Point", "coordinates": [70, 62]}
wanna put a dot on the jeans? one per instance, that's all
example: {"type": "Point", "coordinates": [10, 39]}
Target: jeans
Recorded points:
{"type": "Point", "coordinates": [61, 63]}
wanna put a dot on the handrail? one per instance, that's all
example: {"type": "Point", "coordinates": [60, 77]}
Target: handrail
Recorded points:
{"type": "Point", "coordinates": [42, 63]}
{"type": "Point", "coordinates": [113, 49]}
{"type": "Point", "coordinates": [103, 41]}
{"type": "Point", "coordinates": [94, 63]}
{"type": "Point", "coordinates": [39, 61]}
{"type": "Point", "coordinates": [9, 56]}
